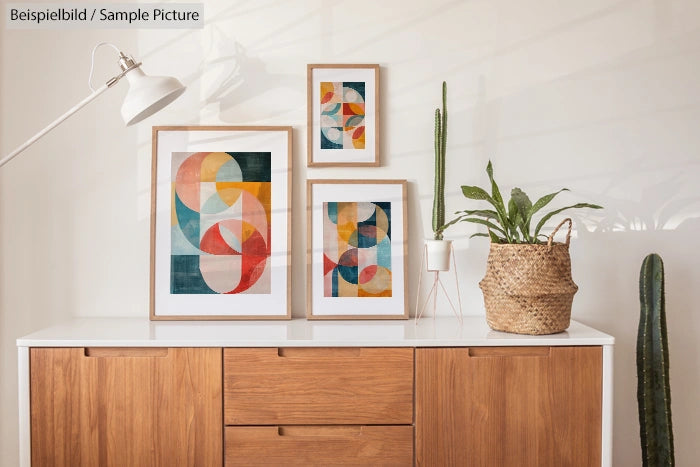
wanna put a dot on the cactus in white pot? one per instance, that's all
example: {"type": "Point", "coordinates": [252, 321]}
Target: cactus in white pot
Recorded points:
{"type": "Point", "coordinates": [438, 249]}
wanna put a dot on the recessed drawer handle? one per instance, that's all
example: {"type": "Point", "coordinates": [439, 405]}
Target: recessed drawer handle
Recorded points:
{"type": "Point", "coordinates": [345, 431]}
{"type": "Point", "coordinates": [316, 352]}
{"type": "Point", "coordinates": [490, 352]}
{"type": "Point", "coordinates": [126, 352]}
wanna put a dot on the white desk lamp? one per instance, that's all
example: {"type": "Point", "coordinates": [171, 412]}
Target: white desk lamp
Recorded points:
{"type": "Point", "coordinates": [146, 96]}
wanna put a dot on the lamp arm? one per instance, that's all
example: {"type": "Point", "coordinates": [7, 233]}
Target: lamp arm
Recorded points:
{"type": "Point", "coordinates": [58, 121]}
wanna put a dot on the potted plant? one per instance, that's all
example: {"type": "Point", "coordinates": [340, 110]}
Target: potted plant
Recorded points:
{"type": "Point", "coordinates": [528, 287]}
{"type": "Point", "coordinates": [438, 249]}
{"type": "Point", "coordinates": [653, 384]}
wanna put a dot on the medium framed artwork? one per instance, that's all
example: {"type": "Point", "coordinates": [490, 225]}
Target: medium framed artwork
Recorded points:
{"type": "Point", "coordinates": [343, 115]}
{"type": "Point", "coordinates": [356, 249]}
{"type": "Point", "coordinates": [220, 222]}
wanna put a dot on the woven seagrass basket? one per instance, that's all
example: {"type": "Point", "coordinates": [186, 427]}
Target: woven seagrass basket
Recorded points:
{"type": "Point", "coordinates": [528, 288]}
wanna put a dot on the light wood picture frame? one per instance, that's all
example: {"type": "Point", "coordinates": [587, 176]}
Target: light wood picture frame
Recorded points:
{"type": "Point", "coordinates": [221, 222]}
{"type": "Point", "coordinates": [356, 249]}
{"type": "Point", "coordinates": [343, 115]}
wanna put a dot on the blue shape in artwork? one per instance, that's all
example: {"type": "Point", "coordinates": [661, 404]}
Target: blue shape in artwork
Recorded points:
{"type": "Point", "coordinates": [229, 172]}
{"type": "Point", "coordinates": [188, 220]}
{"type": "Point", "coordinates": [386, 207]}
{"type": "Point", "coordinates": [384, 253]}
{"type": "Point", "coordinates": [332, 110]}
{"type": "Point", "coordinates": [358, 86]}
{"type": "Point", "coordinates": [179, 245]}
{"type": "Point", "coordinates": [185, 277]}
{"type": "Point", "coordinates": [332, 208]}
{"type": "Point", "coordinates": [327, 143]}
{"type": "Point", "coordinates": [367, 231]}
{"type": "Point", "coordinates": [334, 282]}
{"type": "Point", "coordinates": [349, 273]}
{"type": "Point", "coordinates": [255, 166]}
{"type": "Point", "coordinates": [214, 205]}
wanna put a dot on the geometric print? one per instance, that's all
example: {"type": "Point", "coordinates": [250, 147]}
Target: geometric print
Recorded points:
{"type": "Point", "coordinates": [342, 115]}
{"type": "Point", "coordinates": [357, 249]}
{"type": "Point", "coordinates": [220, 223]}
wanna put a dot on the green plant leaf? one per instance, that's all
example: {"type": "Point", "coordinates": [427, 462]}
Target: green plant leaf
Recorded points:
{"type": "Point", "coordinates": [479, 234]}
{"type": "Point", "coordinates": [520, 223]}
{"type": "Point", "coordinates": [513, 216]}
{"type": "Point", "coordinates": [443, 227]}
{"type": "Point", "coordinates": [542, 202]}
{"type": "Point", "coordinates": [477, 193]}
{"type": "Point", "coordinates": [496, 239]}
{"type": "Point", "coordinates": [549, 215]}
{"type": "Point", "coordinates": [474, 192]}
{"type": "Point", "coordinates": [512, 211]}
{"type": "Point", "coordinates": [522, 201]}
{"type": "Point", "coordinates": [488, 224]}
{"type": "Point", "coordinates": [498, 202]}
{"type": "Point", "coordinates": [487, 213]}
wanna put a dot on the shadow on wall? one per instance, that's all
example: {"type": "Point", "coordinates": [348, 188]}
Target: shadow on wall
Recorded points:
{"type": "Point", "coordinates": [230, 77]}
{"type": "Point", "coordinates": [662, 216]}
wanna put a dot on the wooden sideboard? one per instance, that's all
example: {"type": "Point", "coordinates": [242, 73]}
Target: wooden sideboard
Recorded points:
{"type": "Point", "coordinates": [132, 392]}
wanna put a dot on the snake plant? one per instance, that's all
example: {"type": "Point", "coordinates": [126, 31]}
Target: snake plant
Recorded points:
{"type": "Point", "coordinates": [510, 222]}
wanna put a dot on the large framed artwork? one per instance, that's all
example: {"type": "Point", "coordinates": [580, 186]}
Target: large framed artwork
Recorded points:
{"type": "Point", "coordinates": [220, 222]}
{"type": "Point", "coordinates": [343, 115]}
{"type": "Point", "coordinates": [356, 249]}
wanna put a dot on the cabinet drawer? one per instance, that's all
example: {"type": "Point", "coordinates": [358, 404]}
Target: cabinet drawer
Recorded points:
{"type": "Point", "coordinates": [318, 386]}
{"type": "Point", "coordinates": [314, 445]}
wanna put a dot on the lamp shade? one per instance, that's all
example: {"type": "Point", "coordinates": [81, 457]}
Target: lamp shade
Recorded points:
{"type": "Point", "coordinates": [148, 94]}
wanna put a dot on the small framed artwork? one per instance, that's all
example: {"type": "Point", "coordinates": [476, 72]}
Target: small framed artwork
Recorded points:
{"type": "Point", "coordinates": [220, 223]}
{"type": "Point", "coordinates": [343, 115]}
{"type": "Point", "coordinates": [356, 249]}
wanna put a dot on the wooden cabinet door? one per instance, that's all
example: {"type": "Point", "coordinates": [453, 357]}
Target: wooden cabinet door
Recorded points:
{"type": "Point", "coordinates": [126, 407]}
{"type": "Point", "coordinates": [498, 406]}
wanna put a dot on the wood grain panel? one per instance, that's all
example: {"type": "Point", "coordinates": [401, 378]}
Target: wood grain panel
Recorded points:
{"type": "Point", "coordinates": [514, 406]}
{"type": "Point", "coordinates": [320, 446]}
{"type": "Point", "coordinates": [318, 386]}
{"type": "Point", "coordinates": [126, 408]}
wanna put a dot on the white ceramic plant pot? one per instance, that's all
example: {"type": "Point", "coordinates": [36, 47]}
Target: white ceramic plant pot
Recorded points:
{"type": "Point", "coordinates": [438, 254]}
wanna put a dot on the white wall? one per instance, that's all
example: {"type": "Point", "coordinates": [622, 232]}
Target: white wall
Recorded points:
{"type": "Point", "coordinates": [601, 96]}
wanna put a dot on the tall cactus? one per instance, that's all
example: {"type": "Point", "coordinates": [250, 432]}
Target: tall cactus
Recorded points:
{"type": "Point", "coordinates": [440, 147]}
{"type": "Point", "coordinates": [653, 388]}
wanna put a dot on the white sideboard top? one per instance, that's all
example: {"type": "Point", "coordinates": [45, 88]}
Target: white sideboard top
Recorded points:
{"type": "Point", "coordinates": [429, 332]}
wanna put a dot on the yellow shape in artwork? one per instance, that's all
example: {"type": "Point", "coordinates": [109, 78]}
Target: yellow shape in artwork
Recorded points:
{"type": "Point", "coordinates": [359, 143]}
{"type": "Point", "coordinates": [326, 87]}
{"type": "Point", "coordinates": [354, 108]}
{"type": "Point", "coordinates": [347, 213]}
{"type": "Point", "coordinates": [346, 230]}
{"type": "Point", "coordinates": [211, 165]}
{"type": "Point", "coordinates": [247, 231]}
{"type": "Point", "coordinates": [228, 194]}
{"type": "Point", "coordinates": [262, 191]}
{"type": "Point", "coordinates": [378, 286]}
{"type": "Point", "coordinates": [345, 288]}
